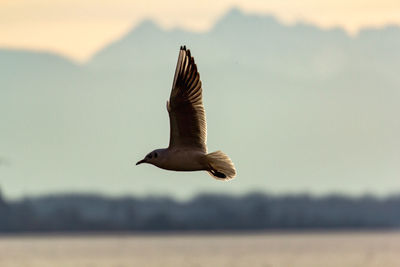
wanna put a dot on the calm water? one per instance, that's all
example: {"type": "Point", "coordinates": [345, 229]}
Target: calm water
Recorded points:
{"type": "Point", "coordinates": [380, 249]}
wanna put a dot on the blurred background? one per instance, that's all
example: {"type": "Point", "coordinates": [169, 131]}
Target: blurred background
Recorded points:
{"type": "Point", "coordinates": [302, 96]}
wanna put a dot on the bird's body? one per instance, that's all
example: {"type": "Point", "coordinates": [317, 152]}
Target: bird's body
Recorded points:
{"type": "Point", "coordinates": [187, 150]}
{"type": "Point", "coordinates": [181, 159]}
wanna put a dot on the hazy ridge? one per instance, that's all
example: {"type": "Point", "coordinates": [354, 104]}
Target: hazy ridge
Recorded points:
{"type": "Point", "coordinates": [256, 211]}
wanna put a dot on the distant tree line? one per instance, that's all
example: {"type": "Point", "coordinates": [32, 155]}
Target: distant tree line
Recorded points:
{"type": "Point", "coordinates": [205, 212]}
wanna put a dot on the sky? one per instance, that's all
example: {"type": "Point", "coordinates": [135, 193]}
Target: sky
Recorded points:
{"type": "Point", "coordinates": [78, 29]}
{"type": "Point", "coordinates": [316, 95]}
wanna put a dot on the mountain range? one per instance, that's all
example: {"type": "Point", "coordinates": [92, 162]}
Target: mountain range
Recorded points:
{"type": "Point", "coordinates": [297, 107]}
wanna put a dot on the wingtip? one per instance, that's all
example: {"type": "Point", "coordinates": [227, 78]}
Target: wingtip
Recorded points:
{"type": "Point", "coordinates": [183, 48]}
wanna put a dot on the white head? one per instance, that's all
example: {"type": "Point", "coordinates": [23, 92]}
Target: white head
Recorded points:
{"type": "Point", "coordinates": [154, 157]}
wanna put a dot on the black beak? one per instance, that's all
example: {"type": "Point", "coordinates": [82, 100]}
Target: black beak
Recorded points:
{"type": "Point", "coordinates": [140, 162]}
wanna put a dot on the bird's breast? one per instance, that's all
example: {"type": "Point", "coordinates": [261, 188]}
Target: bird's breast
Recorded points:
{"type": "Point", "coordinates": [184, 160]}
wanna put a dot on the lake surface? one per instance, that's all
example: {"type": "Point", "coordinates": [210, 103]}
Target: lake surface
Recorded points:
{"type": "Point", "coordinates": [351, 249]}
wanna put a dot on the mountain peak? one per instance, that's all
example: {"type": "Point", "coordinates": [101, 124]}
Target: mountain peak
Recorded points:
{"type": "Point", "coordinates": [234, 12]}
{"type": "Point", "coordinates": [235, 18]}
{"type": "Point", "coordinates": [146, 25]}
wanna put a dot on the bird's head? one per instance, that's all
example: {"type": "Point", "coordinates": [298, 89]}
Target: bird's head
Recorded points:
{"type": "Point", "coordinates": [152, 158]}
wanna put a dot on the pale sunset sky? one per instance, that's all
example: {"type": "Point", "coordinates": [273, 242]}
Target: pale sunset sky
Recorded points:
{"type": "Point", "coordinates": [77, 29]}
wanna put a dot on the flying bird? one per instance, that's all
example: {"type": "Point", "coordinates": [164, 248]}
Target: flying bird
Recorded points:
{"type": "Point", "coordinates": [187, 150]}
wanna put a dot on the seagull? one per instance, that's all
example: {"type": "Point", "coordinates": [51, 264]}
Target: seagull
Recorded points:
{"type": "Point", "coordinates": [187, 150]}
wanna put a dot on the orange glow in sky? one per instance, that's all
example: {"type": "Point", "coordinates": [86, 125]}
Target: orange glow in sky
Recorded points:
{"type": "Point", "coordinates": [77, 29]}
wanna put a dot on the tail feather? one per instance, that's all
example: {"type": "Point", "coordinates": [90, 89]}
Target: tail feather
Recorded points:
{"type": "Point", "coordinates": [220, 166]}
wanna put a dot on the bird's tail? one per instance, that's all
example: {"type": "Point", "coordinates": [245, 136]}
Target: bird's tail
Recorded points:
{"type": "Point", "coordinates": [220, 166]}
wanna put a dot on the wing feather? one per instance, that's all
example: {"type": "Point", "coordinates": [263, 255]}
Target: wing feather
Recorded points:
{"type": "Point", "coordinates": [185, 107]}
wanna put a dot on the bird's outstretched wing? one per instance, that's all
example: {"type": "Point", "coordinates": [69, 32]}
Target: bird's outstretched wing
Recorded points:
{"type": "Point", "coordinates": [185, 106]}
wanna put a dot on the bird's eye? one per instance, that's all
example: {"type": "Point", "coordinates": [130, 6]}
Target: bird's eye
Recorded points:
{"type": "Point", "coordinates": [155, 155]}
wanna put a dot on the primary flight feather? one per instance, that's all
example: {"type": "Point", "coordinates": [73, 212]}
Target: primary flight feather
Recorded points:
{"type": "Point", "coordinates": [187, 150]}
